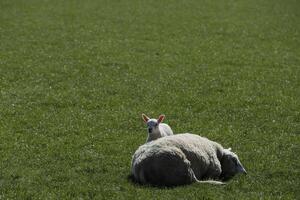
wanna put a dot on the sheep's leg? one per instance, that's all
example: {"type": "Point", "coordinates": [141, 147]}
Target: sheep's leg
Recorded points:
{"type": "Point", "coordinates": [212, 182]}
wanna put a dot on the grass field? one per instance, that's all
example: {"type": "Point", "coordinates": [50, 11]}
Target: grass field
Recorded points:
{"type": "Point", "coordinates": [75, 77]}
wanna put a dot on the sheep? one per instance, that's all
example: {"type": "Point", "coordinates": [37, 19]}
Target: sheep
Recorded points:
{"type": "Point", "coordinates": [156, 129]}
{"type": "Point", "coordinates": [183, 159]}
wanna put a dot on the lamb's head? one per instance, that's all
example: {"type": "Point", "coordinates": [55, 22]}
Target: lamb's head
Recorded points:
{"type": "Point", "coordinates": [152, 124]}
{"type": "Point", "coordinates": [231, 165]}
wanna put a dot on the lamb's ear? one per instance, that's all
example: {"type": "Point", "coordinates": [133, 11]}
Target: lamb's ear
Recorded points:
{"type": "Point", "coordinates": [160, 118]}
{"type": "Point", "coordinates": [229, 149]}
{"type": "Point", "coordinates": [145, 118]}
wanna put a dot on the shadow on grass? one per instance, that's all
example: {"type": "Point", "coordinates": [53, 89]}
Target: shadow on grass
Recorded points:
{"type": "Point", "coordinates": [131, 179]}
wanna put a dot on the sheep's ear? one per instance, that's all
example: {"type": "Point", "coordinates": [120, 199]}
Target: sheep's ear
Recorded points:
{"type": "Point", "coordinates": [145, 118]}
{"type": "Point", "coordinates": [160, 118]}
{"type": "Point", "coordinates": [229, 149]}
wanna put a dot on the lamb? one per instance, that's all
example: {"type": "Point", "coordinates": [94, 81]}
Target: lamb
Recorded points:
{"type": "Point", "coordinates": [183, 159]}
{"type": "Point", "coordinates": [156, 129]}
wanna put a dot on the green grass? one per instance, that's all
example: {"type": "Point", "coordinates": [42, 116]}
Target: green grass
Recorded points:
{"type": "Point", "coordinates": [75, 77]}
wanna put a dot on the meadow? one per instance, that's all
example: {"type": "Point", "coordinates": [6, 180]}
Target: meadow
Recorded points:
{"type": "Point", "coordinates": [75, 77]}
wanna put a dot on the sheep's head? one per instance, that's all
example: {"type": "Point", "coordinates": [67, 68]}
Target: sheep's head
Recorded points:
{"type": "Point", "coordinates": [152, 124]}
{"type": "Point", "coordinates": [231, 165]}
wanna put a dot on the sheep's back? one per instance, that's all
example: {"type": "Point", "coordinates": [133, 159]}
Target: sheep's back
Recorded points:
{"type": "Point", "coordinates": [200, 151]}
{"type": "Point", "coordinates": [165, 129]}
{"type": "Point", "coordinates": [161, 165]}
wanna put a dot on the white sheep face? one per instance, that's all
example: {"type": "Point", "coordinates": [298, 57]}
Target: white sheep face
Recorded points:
{"type": "Point", "coordinates": [152, 124]}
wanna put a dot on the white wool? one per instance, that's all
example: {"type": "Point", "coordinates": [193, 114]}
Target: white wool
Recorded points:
{"type": "Point", "coordinates": [162, 131]}
{"type": "Point", "coordinates": [182, 159]}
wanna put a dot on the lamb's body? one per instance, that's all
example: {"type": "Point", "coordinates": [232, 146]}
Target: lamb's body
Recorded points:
{"type": "Point", "coordinates": [163, 130]}
{"type": "Point", "coordinates": [178, 159]}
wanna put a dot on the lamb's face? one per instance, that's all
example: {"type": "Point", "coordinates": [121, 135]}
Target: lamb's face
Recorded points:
{"type": "Point", "coordinates": [231, 165]}
{"type": "Point", "coordinates": [152, 125]}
